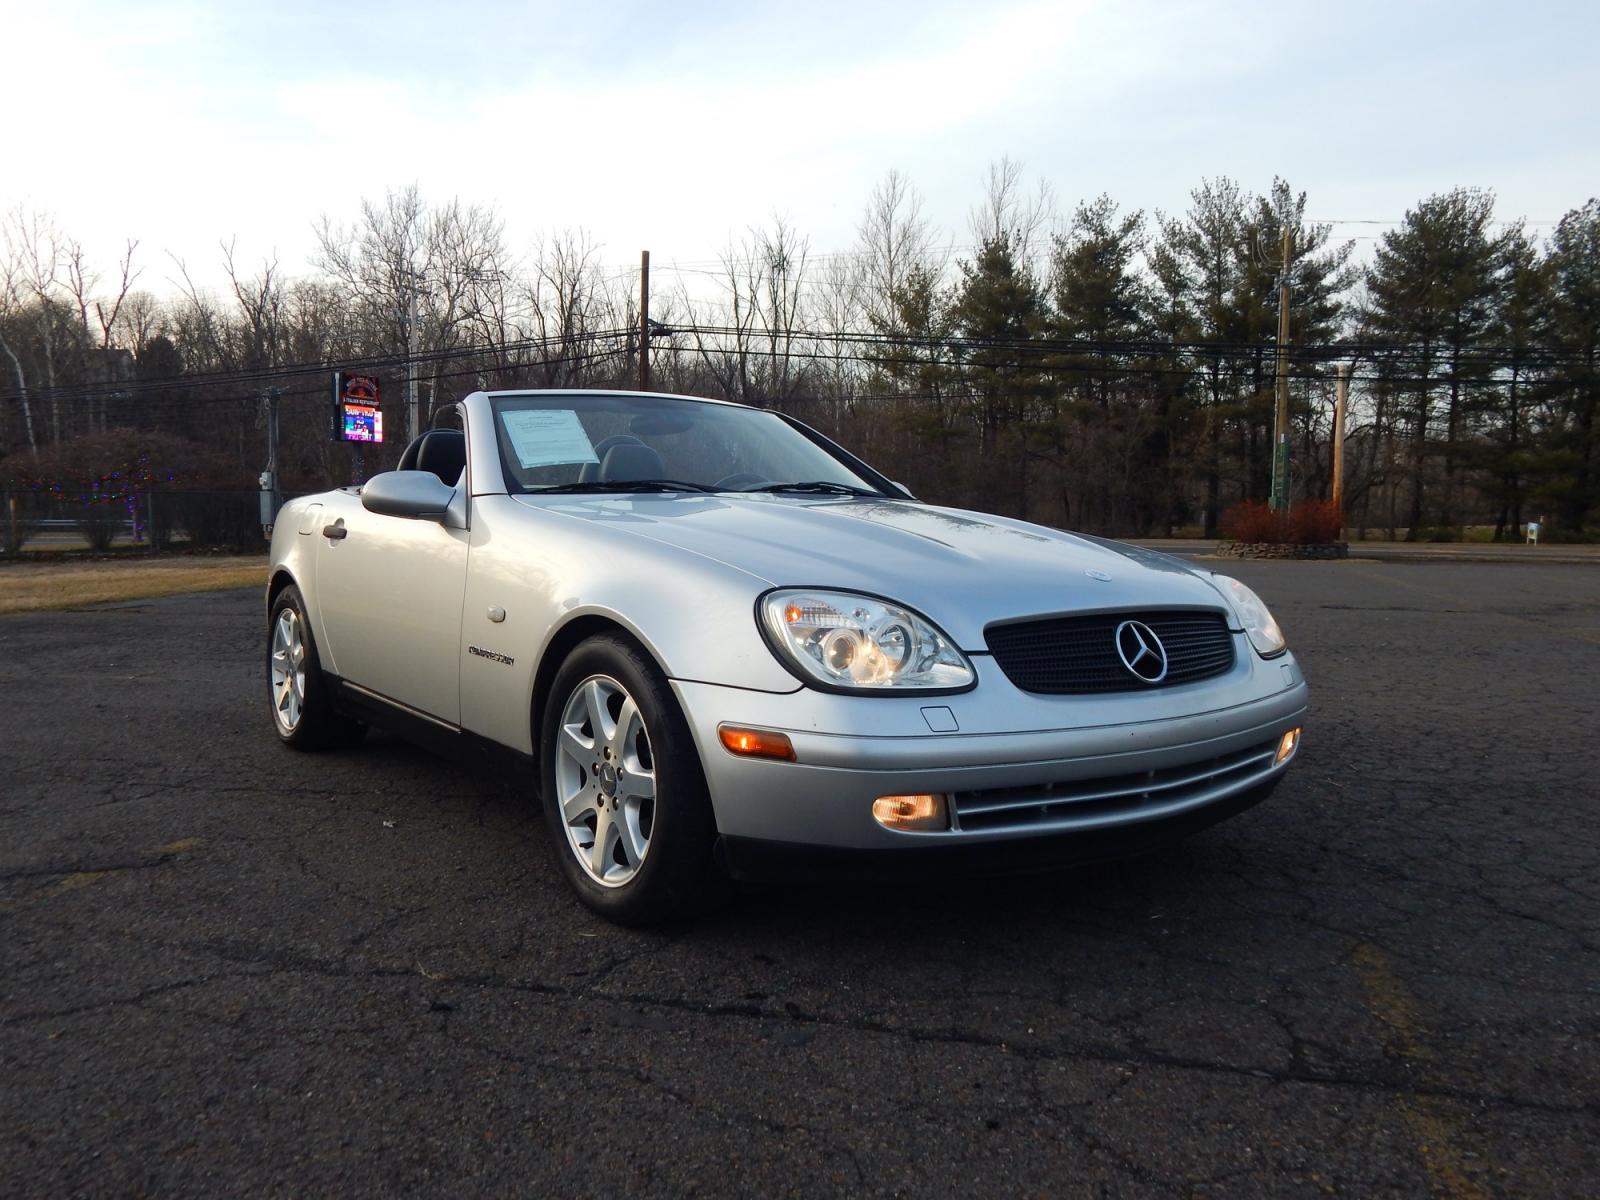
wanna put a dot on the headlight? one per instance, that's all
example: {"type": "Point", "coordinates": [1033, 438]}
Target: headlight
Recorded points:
{"type": "Point", "coordinates": [842, 640]}
{"type": "Point", "coordinates": [1263, 631]}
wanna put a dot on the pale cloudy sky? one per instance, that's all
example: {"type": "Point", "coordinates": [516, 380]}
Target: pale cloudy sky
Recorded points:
{"type": "Point", "coordinates": [672, 126]}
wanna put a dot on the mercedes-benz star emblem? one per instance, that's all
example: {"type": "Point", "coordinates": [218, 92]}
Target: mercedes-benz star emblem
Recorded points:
{"type": "Point", "coordinates": [1141, 651]}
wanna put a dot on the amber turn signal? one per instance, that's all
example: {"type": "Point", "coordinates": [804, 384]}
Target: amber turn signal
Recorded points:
{"type": "Point", "coordinates": [919, 812]}
{"type": "Point", "coordinates": [756, 743]}
{"type": "Point", "coordinates": [1286, 746]}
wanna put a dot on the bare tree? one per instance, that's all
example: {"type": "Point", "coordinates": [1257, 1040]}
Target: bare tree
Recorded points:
{"type": "Point", "coordinates": [1009, 214]}
{"type": "Point", "coordinates": [411, 269]}
{"type": "Point", "coordinates": [783, 261]}
{"type": "Point", "coordinates": [837, 303]}
{"type": "Point", "coordinates": [136, 318]}
{"type": "Point", "coordinates": [895, 239]}
{"type": "Point", "coordinates": [763, 277]}
{"type": "Point", "coordinates": [12, 304]}
{"type": "Point", "coordinates": [565, 299]}
{"type": "Point", "coordinates": [34, 262]}
{"type": "Point", "coordinates": [260, 302]}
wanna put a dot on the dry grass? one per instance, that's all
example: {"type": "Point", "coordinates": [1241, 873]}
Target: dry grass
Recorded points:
{"type": "Point", "coordinates": [37, 587]}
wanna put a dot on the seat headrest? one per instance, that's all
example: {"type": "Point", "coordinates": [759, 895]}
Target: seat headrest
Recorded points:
{"type": "Point", "coordinates": [442, 451]}
{"type": "Point", "coordinates": [591, 471]}
{"type": "Point", "coordinates": [627, 462]}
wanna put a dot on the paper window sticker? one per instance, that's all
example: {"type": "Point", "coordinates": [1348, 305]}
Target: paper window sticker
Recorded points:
{"type": "Point", "coordinates": [547, 437]}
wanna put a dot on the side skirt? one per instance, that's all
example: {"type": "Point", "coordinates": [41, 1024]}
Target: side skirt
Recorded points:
{"type": "Point", "coordinates": [426, 730]}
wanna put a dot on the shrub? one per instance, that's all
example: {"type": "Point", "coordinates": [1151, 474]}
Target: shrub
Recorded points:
{"type": "Point", "coordinates": [1309, 523]}
{"type": "Point", "coordinates": [222, 519]}
{"type": "Point", "coordinates": [123, 473]}
{"type": "Point", "coordinates": [100, 523]}
{"type": "Point", "coordinates": [1252, 521]}
{"type": "Point", "coordinates": [1314, 522]}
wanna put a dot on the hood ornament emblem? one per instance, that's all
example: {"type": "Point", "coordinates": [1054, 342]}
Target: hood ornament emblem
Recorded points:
{"type": "Point", "coordinates": [1100, 575]}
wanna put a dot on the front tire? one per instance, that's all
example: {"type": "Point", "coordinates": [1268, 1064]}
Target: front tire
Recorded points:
{"type": "Point", "coordinates": [303, 714]}
{"type": "Point", "coordinates": [624, 797]}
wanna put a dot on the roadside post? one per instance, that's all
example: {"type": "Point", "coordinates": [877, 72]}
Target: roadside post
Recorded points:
{"type": "Point", "coordinates": [269, 478]}
{"type": "Point", "coordinates": [1341, 393]}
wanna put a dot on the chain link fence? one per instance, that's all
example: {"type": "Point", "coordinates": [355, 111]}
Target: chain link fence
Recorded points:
{"type": "Point", "coordinates": [34, 522]}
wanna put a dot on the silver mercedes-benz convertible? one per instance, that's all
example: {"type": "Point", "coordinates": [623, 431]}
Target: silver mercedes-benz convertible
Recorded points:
{"type": "Point", "coordinates": [721, 646]}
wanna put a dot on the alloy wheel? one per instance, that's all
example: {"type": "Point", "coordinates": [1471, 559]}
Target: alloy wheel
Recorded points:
{"type": "Point", "coordinates": [288, 670]}
{"type": "Point", "coordinates": [605, 780]}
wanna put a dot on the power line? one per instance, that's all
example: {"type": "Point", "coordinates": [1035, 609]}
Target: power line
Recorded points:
{"type": "Point", "coordinates": [1395, 364]}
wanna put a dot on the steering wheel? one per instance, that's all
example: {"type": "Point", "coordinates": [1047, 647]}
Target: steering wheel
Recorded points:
{"type": "Point", "coordinates": [738, 481]}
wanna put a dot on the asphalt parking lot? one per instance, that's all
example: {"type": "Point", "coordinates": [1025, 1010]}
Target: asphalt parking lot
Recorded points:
{"type": "Point", "coordinates": [228, 967]}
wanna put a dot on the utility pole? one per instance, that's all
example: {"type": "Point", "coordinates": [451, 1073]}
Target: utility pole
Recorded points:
{"type": "Point", "coordinates": [269, 477]}
{"type": "Point", "coordinates": [413, 408]}
{"type": "Point", "coordinates": [1341, 386]}
{"type": "Point", "coordinates": [644, 320]}
{"type": "Point", "coordinates": [1280, 441]}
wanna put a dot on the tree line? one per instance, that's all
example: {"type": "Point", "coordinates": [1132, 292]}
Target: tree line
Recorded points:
{"type": "Point", "coordinates": [1104, 369]}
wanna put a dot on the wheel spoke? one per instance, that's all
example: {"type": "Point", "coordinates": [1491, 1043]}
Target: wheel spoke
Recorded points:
{"type": "Point", "coordinates": [605, 837]}
{"type": "Point", "coordinates": [594, 699]}
{"type": "Point", "coordinates": [622, 734]}
{"type": "Point", "coordinates": [630, 837]}
{"type": "Point", "coordinates": [637, 784]}
{"type": "Point", "coordinates": [575, 748]}
{"type": "Point", "coordinates": [578, 805]}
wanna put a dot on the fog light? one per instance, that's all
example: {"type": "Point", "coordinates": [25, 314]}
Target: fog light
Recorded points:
{"type": "Point", "coordinates": [756, 743]}
{"type": "Point", "coordinates": [1286, 746]}
{"type": "Point", "coordinates": [910, 812]}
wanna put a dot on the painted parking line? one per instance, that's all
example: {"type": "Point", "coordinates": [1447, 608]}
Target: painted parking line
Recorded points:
{"type": "Point", "coordinates": [1432, 1130]}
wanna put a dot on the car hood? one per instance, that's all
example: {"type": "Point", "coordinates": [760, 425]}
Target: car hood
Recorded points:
{"type": "Point", "coordinates": [962, 570]}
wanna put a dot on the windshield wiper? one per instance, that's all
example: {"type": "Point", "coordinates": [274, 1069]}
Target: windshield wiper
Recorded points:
{"type": "Point", "coordinates": [823, 486]}
{"type": "Point", "coordinates": [621, 485]}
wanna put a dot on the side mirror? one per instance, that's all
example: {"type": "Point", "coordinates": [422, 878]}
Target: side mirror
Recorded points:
{"type": "Point", "coordinates": [419, 495]}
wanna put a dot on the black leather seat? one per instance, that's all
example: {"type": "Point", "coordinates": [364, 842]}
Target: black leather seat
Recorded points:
{"type": "Point", "coordinates": [442, 451]}
{"type": "Point", "coordinates": [626, 463]}
{"type": "Point", "coordinates": [591, 471]}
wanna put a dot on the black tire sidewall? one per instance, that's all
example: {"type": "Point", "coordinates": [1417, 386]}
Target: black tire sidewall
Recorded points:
{"type": "Point", "coordinates": [678, 876]}
{"type": "Point", "coordinates": [320, 725]}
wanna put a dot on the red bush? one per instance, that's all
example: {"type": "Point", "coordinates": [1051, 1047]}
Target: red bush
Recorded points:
{"type": "Point", "coordinates": [1309, 523]}
{"type": "Point", "coordinates": [1252, 521]}
{"type": "Point", "coordinates": [1314, 522]}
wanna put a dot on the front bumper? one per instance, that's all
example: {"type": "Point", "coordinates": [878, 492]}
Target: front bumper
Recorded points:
{"type": "Point", "coordinates": [1204, 751]}
{"type": "Point", "coordinates": [755, 859]}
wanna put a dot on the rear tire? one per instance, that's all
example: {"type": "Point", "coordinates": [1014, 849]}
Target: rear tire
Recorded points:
{"type": "Point", "coordinates": [625, 798]}
{"type": "Point", "coordinates": [303, 713]}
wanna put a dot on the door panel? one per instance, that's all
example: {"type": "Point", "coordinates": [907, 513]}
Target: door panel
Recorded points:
{"type": "Point", "coordinates": [389, 594]}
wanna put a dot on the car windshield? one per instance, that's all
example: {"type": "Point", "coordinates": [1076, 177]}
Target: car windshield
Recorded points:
{"type": "Point", "coordinates": [582, 442]}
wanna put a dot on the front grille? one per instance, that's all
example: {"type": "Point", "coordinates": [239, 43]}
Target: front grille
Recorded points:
{"type": "Point", "coordinates": [1069, 656]}
{"type": "Point", "coordinates": [1114, 799]}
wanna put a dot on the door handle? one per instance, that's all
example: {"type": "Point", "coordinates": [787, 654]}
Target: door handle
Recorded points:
{"type": "Point", "coordinates": [336, 531]}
